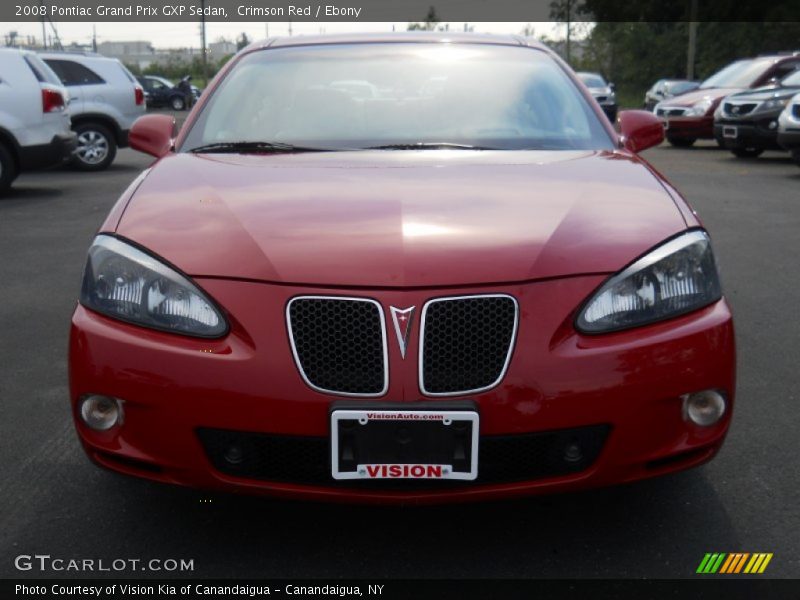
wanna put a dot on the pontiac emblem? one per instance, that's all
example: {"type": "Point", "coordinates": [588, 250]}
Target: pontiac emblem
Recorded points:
{"type": "Point", "coordinates": [402, 317]}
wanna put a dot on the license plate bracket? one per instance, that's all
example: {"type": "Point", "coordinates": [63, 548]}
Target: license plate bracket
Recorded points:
{"type": "Point", "coordinates": [397, 443]}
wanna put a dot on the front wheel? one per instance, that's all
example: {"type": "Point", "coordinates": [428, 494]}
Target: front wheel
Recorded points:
{"type": "Point", "coordinates": [681, 142]}
{"type": "Point", "coordinates": [8, 169]}
{"type": "Point", "coordinates": [96, 147]}
{"type": "Point", "coordinates": [177, 103]}
{"type": "Point", "coordinates": [747, 152]}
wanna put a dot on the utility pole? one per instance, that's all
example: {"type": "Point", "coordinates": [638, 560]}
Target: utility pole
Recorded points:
{"type": "Point", "coordinates": [203, 39]}
{"type": "Point", "coordinates": [44, 27]}
{"type": "Point", "coordinates": [290, 28]}
{"type": "Point", "coordinates": [690, 52]}
{"type": "Point", "coordinates": [94, 38]}
{"type": "Point", "coordinates": [569, 31]}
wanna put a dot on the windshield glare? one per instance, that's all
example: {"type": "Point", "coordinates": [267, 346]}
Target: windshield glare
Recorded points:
{"type": "Point", "coordinates": [347, 96]}
{"type": "Point", "coordinates": [592, 81]}
{"type": "Point", "coordinates": [792, 79]}
{"type": "Point", "coordinates": [740, 74]}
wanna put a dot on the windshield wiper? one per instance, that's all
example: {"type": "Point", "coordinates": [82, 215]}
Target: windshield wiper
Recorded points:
{"type": "Point", "coordinates": [252, 148]}
{"type": "Point", "coordinates": [428, 146]}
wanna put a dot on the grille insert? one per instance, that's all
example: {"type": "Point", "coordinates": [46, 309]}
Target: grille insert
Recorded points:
{"type": "Point", "coordinates": [339, 344]}
{"type": "Point", "coordinates": [306, 460]}
{"type": "Point", "coordinates": [738, 109]}
{"type": "Point", "coordinates": [466, 343]}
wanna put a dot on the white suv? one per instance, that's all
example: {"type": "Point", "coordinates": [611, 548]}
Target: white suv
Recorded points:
{"type": "Point", "coordinates": [105, 101]}
{"type": "Point", "coordinates": [34, 123]}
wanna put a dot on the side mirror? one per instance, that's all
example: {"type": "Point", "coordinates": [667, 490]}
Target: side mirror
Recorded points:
{"type": "Point", "coordinates": [774, 81]}
{"type": "Point", "coordinates": [612, 86]}
{"type": "Point", "coordinates": [639, 130]}
{"type": "Point", "coordinates": [153, 134]}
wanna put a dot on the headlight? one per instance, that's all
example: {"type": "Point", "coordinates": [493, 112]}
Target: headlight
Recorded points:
{"type": "Point", "coordinates": [125, 283]}
{"type": "Point", "coordinates": [700, 108]}
{"type": "Point", "coordinates": [677, 277]}
{"type": "Point", "coordinates": [773, 104]}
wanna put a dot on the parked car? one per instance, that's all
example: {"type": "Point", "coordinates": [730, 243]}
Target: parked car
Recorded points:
{"type": "Point", "coordinates": [160, 91]}
{"type": "Point", "coordinates": [443, 293]}
{"type": "Point", "coordinates": [667, 88]}
{"type": "Point", "coordinates": [690, 116]}
{"type": "Point", "coordinates": [747, 123]}
{"type": "Point", "coordinates": [602, 91]}
{"type": "Point", "coordinates": [105, 101]}
{"type": "Point", "coordinates": [34, 121]}
{"type": "Point", "coordinates": [789, 128]}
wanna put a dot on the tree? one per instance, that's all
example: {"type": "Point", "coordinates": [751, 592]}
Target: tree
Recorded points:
{"type": "Point", "coordinates": [242, 41]}
{"type": "Point", "coordinates": [431, 19]}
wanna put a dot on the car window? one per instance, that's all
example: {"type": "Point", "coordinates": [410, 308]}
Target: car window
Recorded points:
{"type": "Point", "coordinates": [793, 79]}
{"type": "Point", "coordinates": [73, 73]}
{"type": "Point", "coordinates": [740, 74]}
{"type": "Point", "coordinates": [155, 84]}
{"type": "Point", "coordinates": [41, 71]}
{"type": "Point", "coordinates": [592, 81]}
{"type": "Point", "coordinates": [784, 69]}
{"type": "Point", "coordinates": [340, 96]}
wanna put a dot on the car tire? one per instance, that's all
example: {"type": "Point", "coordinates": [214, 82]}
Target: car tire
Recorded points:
{"type": "Point", "coordinates": [747, 152]}
{"type": "Point", "coordinates": [97, 147]}
{"type": "Point", "coordinates": [8, 169]}
{"type": "Point", "coordinates": [681, 142]}
{"type": "Point", "coordinates": [177, 103]}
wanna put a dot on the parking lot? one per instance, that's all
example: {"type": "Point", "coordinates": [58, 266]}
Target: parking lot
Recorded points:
{"type": "Point", "coordinates": [53, 501]}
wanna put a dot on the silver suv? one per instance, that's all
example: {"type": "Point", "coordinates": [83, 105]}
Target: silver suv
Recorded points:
{"type": "Point", "coordinates": [34, 122]}
{"type": "Point", "coordinates": [105, 100]}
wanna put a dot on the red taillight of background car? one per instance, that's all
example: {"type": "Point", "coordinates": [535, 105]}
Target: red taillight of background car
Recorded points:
{"type": "Point", "coordinates": [139, 95]}
{"type": "Point", "coordinates": [52, 101]}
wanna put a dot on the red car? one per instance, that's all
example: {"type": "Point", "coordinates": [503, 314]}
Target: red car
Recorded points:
{"type": "Point", "coordinates": [403, 268]}
{"type": "Point", "coordinates": [690, 116]}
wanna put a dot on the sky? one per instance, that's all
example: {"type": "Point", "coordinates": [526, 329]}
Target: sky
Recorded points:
{"type": "Point", "coordinates": [172, 35]}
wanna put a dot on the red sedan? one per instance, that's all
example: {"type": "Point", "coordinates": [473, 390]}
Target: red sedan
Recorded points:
{"type": "Point", "coordinates": [406, 268]}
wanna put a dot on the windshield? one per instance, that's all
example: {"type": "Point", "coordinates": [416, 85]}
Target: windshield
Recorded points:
{"type": "Point", "coordinates": [679, 87]}
{"type": "Point", "coordinates": [740, 74]}
{"type": "Point", "coordinates": [792, 79]}
{"type": "Point", "coordinates": [348, 96]}
{"type": "Point", "coordinates": [591, 80]}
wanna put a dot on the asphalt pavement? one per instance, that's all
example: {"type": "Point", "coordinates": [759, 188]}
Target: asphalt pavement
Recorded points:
{"type": "Point", "coordinates": [53, 501]}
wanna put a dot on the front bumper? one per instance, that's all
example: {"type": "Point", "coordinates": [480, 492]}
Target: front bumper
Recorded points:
{"type": "Point", "coordinates": [689, 127]}
{"type": "Point", "coordinates": [749, 134]}
{"type": "Point", "coordinates": [789, 140]}
{"type": "Point", "coordinates": [59, 150]}
{"type": "Point", "coordinates": [628, 383]}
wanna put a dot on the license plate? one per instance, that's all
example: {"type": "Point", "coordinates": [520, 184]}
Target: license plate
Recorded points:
{"type": "Point", "coordinates": [404, 444]}
{"type": "Point", "coordinates": [728, 131]}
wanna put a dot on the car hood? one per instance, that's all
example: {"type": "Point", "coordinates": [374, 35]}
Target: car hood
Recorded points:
{"type": "Point", "coordinates": [400, 218]}
{"type": "Point", "coordinates": [693, 97]}
{"type": "Point", "coordinates": [766, 93]}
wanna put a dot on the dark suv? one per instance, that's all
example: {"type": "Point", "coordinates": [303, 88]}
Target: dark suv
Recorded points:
{"type": "Point", "coordinates": [747, 123]}
{"type": "Point", "coordinates": [689, 117]}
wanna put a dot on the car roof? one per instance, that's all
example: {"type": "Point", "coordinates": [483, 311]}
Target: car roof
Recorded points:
{"type": "Point", "coordinates": [389, 37]}
{"type": "Point", "coordinates": [83, 55]}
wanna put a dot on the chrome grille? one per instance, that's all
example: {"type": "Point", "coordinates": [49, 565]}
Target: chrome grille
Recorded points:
{"type": "Point", "coordinates": [466, 343]}
{"type": "Point", "coordinates": [670, 112]}
{"type": "Point", "coordinates": [737, 110]}
{"type": "Point", "coordinates": [339, 344]}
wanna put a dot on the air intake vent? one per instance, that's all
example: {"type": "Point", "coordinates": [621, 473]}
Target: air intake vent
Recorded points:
{"type": "Point", "coordinates": [339, 344]}
{"type": "Point", "coordinates": [467, 343]}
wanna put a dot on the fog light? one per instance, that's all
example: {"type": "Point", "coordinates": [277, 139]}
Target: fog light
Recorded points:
{"type": "Point", "coordinates": [704, 408]}
{"type": "Point", "coordinates": [573, 453]}
{"type": "Point", "coordinates": [101, 412]}
{"type": "Point", "coordinates": [234, 454]}
{"type": "Point", "coordinates": [773, 124]}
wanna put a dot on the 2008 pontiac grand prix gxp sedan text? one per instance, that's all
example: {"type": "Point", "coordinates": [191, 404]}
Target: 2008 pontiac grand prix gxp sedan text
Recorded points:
{"type": "Point", "coordinates": [400, 268]}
